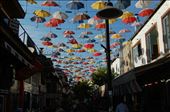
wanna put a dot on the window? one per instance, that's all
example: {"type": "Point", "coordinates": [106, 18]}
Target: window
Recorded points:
{"type": "Point", "coordinates": [152, 51]}
{"type": "Point", "coordinates": [137, 51]}
{"type": "Point", "coordinates": [166, 32]}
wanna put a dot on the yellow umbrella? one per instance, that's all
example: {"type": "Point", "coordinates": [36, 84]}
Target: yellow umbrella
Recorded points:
{"type": "Point", "coordinates": [111, 21]}
{"type": "Point", "coordinates": [98, 5]}
{"type": "Point", "coordinates": [116, 36]}
{"type": "Point", "coordinates": [84, 25]}
{"type": "Point", "coordinates": [92, 50]}
{"type": "Point", "coordinates": [31, 1]}
{"type": "Point", "coordinates": [70, 50]}
{"type": "Point", "coordinates": [76, 46]}
{"type": "Point", "coordinates": [126, 14]}
{"type": "Point", "coordinates": [41, 13]}
{"type": "Point", "coordinates": [100, 36]}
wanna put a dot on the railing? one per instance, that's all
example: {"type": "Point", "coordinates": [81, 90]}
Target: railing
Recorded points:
{"type": "Point", "coordinates": [17, 29]}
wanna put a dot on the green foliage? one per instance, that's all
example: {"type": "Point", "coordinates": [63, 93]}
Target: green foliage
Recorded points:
{"type": "Point", "coordinates": [100, 76]}
{"type": "Point", "coordinates": [83, 89]}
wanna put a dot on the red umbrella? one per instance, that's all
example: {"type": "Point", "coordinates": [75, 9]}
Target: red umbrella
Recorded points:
{"type": "Point", "coordinates": [129, 20]}
{"type": "Point", "coordinates": [97, 54]}
{"type": "Point", "coordinates": [81, 50]}
{"type": "Point", "coordinates": [56, 21]}
{"type": "Point", "coordinates": [49, 3]}
{"type": "Point", "coordinates": [47, 43]}
{"type": "Point", "coordinates": [101, 25]}
{"type": "Point", "coordinates": [50, 24]}
{"type": "Point", "coordinates": [89, 45]}
{"type": "Point", "coordinates": [146, 12]}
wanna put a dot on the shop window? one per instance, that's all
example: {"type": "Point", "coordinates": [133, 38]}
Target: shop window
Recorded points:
{"type": "Point", "coordinates": [166, 31]}
{"type": "Point", "coordinates": [152, 44]}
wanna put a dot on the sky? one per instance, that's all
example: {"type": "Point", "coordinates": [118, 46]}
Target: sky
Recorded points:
{"type": "Point", "coordinates": [37, 31]}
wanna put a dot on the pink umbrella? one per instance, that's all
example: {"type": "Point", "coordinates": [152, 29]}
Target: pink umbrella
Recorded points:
{"type": "Point", "coordinates": [97, 54]}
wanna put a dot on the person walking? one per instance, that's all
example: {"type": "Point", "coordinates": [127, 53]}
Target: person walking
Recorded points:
{"type": "Point", "coordinates": [122, 107]}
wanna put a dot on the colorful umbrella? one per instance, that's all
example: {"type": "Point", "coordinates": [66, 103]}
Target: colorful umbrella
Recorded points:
{"type": "Point", "coordinates": [73, 41]}
{"type": "Point", "coordinates": [68, 32]}
{"type": "Point", "coordinates": [92, 50]}
{"type": "Point", "coordinates": [87, 32]}
{"type": "Point", "coordinates": [100, 25]}
{"type": "Point", "coordinates": [41, 13]}
{"type": "Point", "coordinates": [122, 4]}
{"type": "Point", "coordinates": [146, 12]}
{"type": "Point", "coordinates": [124, 31]}
{"type": "Point", "coordinates": [98, 5]}
{"type": "Point", "coordinates": [126, 14]}
{"type": "Point", "coordinates": [116, 36]}
{"type": "Point", "coordinates": [97, 54]}
{"type": "Point", "coordinates": [56, 21]}
{"type": "Point", "coordinates": [51, 35]}
{"type": "Point", "coordinates": [100, 36]}
{"type": "Point", "coordinates": [84, 36]}
{"type": "Point", "coordinates": [50, 24]}
{"type": "Point", "coordinates": [50, 3]}
{"type": "Point", "coordinates": [142, 3]}
{"type": "Point", "coordinates": [75, 5]}
{"type": "Point", "coordinates": [81, 50]}
{"type": "Point", "coordinates": [136, 24]}
{"type": "Point", "coordinates": [93, 21]}
{"type": "Point", "coordinates": [47, 43]}
{"type": "Point", "coordinates": [37, 19]}
{"type": "Point", "coordinates": [129, 20]}
{"type": "Point", "coordinates": [89, 45]}
{"type": "Point", "coordinates": [60, 15]}
{"type": "Point", "coordinates": [45, 39]}
{"type": "Point", "coordinates": [76, 46]}
{"type": "Point", "coordinates": [111, 21]}
{"type": "Point", "coordinates": [84, 25]}
{"type": "Point", "coordinates": [114, 44]}
{"type": "Point", "coordinates": [81, 16]}
{"type": "Point", "coordinates": [31, 1]}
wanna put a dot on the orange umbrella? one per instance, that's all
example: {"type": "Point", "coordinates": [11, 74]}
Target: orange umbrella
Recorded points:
{"type": "Point", "coordinates": [56, 21]}
{"type": "Point", "coordinates": [97, 54]}
{"type": "Point", "coordinates": [146, 12]}
{"type": "Point", "coordinates": [68, 32]}
{"type": "Point", "coordinates": [50, 24]}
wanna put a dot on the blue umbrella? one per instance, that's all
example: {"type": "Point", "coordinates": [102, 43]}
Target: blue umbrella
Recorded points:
{"type": "Point", "coordinates": [122, 4]}
{"type": "Point", "coordinates": [75, 5]}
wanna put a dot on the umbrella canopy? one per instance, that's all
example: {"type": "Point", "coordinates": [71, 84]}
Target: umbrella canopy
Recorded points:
{"type": "Point", "coordinates": [87, 33]}
{"type": "Point", "coordinates": [142, 3]}
{"type": "Point", "coordinates": [45, 39]}
{"type": "Point", "coordinates": [98, 5]}
{"type": "Point", "coordinates": [51, 35]}
{"type": "Point", "coordinates": [50, 24]}
{"type": "Point", "coordinates": [136, 24]}
{"type": "Point", "coordinates": [68, 32]}
{"type": "Point", "coordinates": [31, 1]}
{"type": "Point", "coordinates": [146, 12]}
{"type": "Point", "coordinates": [100, 25]}
{"type": "Point", "coordinates": [50, 3]}
{"type": "Point", "coordinates": [37, 19]}
{"type": "Point", "coordinates": [73, 41]}
{"type": "Point", "coordinates": [111, 21]}
{"type": "Point", "coordinates": [93, 21]}
{"type": "Point", "coordinates": [84, 25]}
{"type": "Point", "coordinates": [47, 43]}
{"type": "Point", "coordinates": [76, 46]}
{"type": "Point", "coordinates": [60, 15]}
{"type": "Point", "coordinates": [88, 45]}
{"type": "Point", "coordinates": [129, 20]}
{"type": "Point", "coordinates": [84, 36]}
{"type": "Point", "coordinates": [100, 36]}
{"type": "Point", "coordinates": [116, 36]}
{"type": "Point", "coordinates": [126, 14]}
{"type": "Point", "coordinates": [41, 13]}
{"type": "Point", "coordinates": [114, 44]}
{"type": "Point", "coordinates": [74, 5]}
{"type": "Point", "coordinates": [81, 16]}
{"type": "Point", "coordinates": [56, 21]}
{"type": "Point", "coordinates": [124, 31]}
{"type": "Point", "coordinates": [97, 54]}
{"type": "Point", "coordinates": [122, 4]}
{"type": "Point", "coordinates": [81, 50]}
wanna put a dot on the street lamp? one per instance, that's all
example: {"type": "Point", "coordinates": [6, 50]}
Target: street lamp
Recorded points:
{"type": "Point", "coordinates": [109, 13]}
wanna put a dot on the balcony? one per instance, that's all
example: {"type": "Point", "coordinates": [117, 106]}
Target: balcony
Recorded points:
{"type": "Point", "coordinates": [12, 8]}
